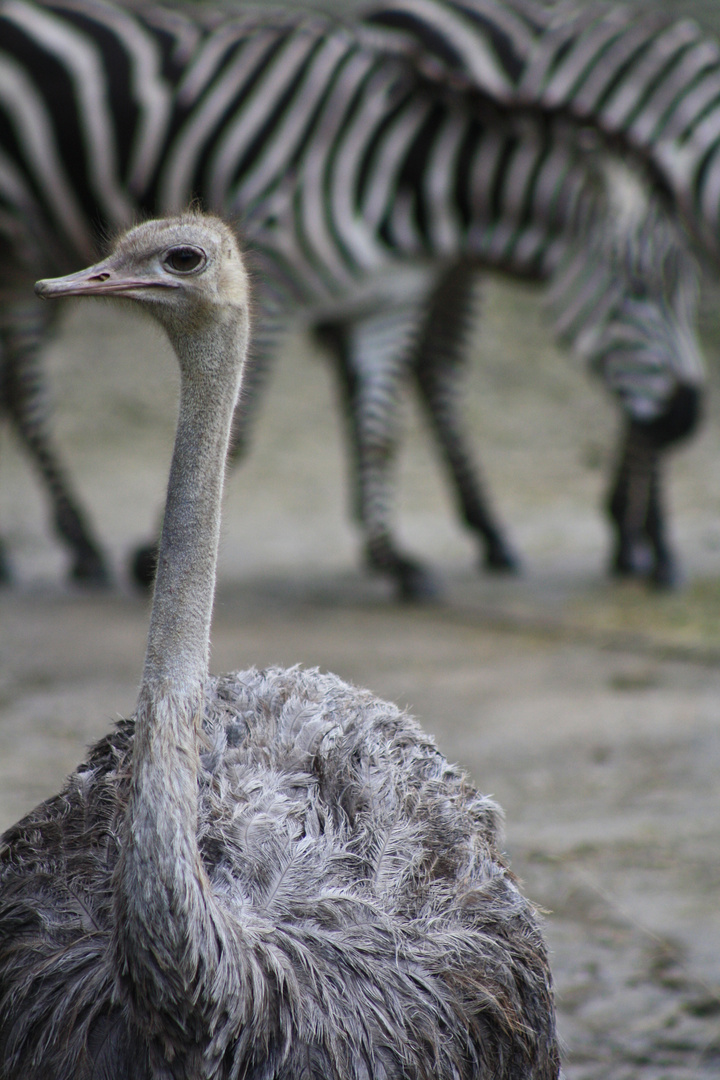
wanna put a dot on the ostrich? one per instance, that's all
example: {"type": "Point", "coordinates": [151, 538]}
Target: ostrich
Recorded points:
{"type": "Point", "coordinates": [270, 873]}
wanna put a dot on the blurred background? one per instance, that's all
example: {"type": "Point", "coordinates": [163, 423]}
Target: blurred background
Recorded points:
{"type": "Point", "coordinates": [588, 707]}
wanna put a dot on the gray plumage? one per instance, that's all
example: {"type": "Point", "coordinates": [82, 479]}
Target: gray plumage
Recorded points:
{"type": "Point", "coordinates": [269, 874]}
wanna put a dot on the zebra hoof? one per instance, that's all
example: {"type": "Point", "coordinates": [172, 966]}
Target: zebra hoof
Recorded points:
{"type": "Point", "coordinates": [501, 560]}
{"type": "Point", "coordinates": [89, 569]}
{"type": "Point", "coordinates": [5, 571]}
{"type": "Point", "coordinates": [631, 560]}
{"type": "Point", "coordinates": [143, 565]}
{"type": "Point", "coordinates": [666, 575]}
{"type": "Point", "coordinates": [416, 585]}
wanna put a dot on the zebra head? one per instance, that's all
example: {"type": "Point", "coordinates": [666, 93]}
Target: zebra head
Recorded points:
{"type": "Point", "coordinates": [627, 295]}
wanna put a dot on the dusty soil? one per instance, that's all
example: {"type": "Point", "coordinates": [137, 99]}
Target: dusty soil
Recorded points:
{"type": "Point", "coordinates": [590, 709]}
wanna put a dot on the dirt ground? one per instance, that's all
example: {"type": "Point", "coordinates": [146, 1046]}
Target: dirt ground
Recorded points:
{"type": "Point", "coordinates": [590, 709]}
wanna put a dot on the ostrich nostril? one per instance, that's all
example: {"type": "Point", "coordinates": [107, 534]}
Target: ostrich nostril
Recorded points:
{"type": "Point", "coordinates": [100, 277]}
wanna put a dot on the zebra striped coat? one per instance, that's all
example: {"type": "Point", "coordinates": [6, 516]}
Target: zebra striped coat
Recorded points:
{"type": "Point", "coordinates": [624, 299]}
{"type": "Point", "coordinates": [356, 168]}
{"type": "Point", "coordinates": [624, 296]}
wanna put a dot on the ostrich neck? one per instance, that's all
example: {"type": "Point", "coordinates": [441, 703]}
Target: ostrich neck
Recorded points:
{"type": "Point", "coordinates": [179, 634]}
{"type": "Point", "coordinates": [164, 910]}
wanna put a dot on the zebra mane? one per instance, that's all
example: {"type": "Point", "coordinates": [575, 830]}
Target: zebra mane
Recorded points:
{"type": "Point", "coordinates": [194, 18]}
{"type": "Point", "coordinates": [466, 45]}
{"type": "Point", "coordinates": [577, 15]}
{"type": "Point", "coordinates": [629, 199]}
{"type": "Point", "coordinates": [641, 236]}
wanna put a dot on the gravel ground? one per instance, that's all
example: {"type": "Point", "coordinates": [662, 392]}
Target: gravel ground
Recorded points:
{"type": "Point", "coordinates": [589, 709]}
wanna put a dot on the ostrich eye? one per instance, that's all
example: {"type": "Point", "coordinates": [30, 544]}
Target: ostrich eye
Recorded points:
{"type": "Point", "coordinates": [184, 260]}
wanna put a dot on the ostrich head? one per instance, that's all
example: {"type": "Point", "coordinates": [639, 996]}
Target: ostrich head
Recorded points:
{"type": "Point", "coordinates": [187, 271]}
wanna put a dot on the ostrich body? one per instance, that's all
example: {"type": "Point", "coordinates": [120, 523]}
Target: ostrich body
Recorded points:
{"type": "Point", "coordinates": [268, 874]}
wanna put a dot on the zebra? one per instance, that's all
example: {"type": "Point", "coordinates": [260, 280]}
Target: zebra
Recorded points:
{"type": "Point", "coordinates": [629, 308]}
{"type": "Point", "coordinates": [353, 165]}
{"type": "Point", "coordinates": [625, 299]}
{"type": "Point", "coordinates": [632, 316]}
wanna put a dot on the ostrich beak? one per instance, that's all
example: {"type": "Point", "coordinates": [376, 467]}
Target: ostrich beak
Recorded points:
{"type": "Point", "coordinates": [103, 279]}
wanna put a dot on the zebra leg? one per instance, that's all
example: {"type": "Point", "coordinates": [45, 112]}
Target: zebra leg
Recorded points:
{"type": "Point", "coordinates": [332, 336]}
{"type": "Point", "coordinates": [5, 571]}
{"type": "Point", "coordinates": [665, 571]}
{"type": "Point", "coordinates": [629, 503]}
{"type": "Point", "coordinates": [370, 358]}
{"type": "Point", "coordinates": [23, 395]}
{"type": "Point", "coordinates": [439, 366]}
{"type": "Point", "coordinates": [636, 504]}
{"type": "Point", "coordinates": [679, 420]}
{"type": "Point", "coordinates": [143, 563]}
{"type": "Point", "coordinates": [255, 378]}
